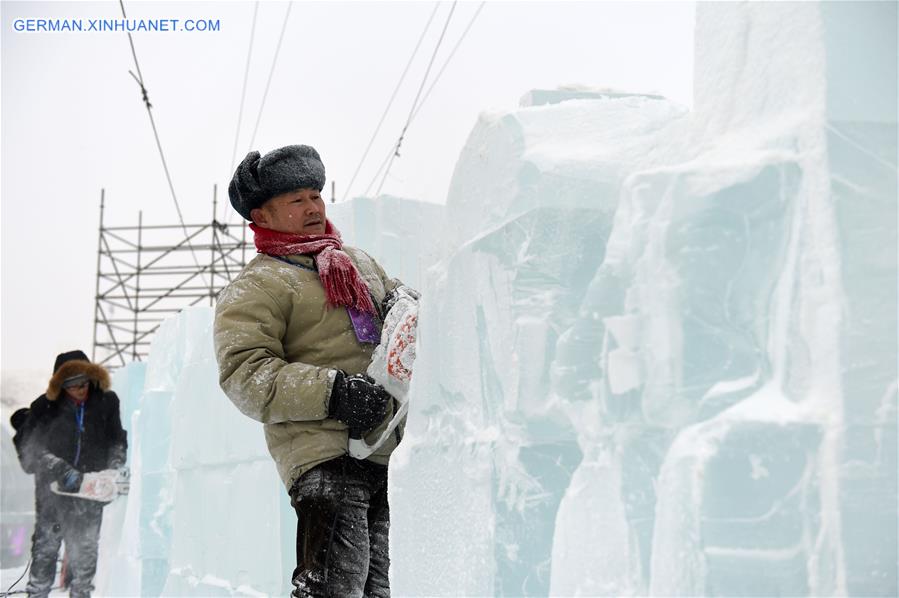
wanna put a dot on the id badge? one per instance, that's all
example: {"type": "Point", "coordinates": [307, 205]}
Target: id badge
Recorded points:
{"type": "Point", "coordinates": [365, 326]}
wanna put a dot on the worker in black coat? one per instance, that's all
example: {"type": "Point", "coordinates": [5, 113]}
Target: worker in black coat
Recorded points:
{"type": "Point", "coordinates": [72, 429]}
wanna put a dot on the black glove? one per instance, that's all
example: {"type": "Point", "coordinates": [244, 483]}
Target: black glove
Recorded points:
{"type": "Point", "coordinates": [117, 456]}
{"type": "Point", "coordinates": [358, 402]}
{"type": "Point", "coordinates": [70, 481]}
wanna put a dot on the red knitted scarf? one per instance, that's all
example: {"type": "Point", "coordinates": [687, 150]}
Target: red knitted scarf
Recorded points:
{"type": "Point", "coordinates": [339, 276]}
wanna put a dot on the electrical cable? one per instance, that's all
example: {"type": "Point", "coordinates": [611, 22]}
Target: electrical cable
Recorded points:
{"type": "Point", "coordinates": [399, 141]}
{"type": "Point", "coordinates": [434, 83]}
{"type": "Point", "coordinates": [9, 591]}
{"type": "Point", "coordinates": [243, 95]}
{"type": "Point", "coordinates": [448, 58]}
{"type": "Point", "coordinates": [437, 78]}
{"type": "Point", "coordinates": [267, 85]}
{"type": "Point", "coordinates": [271, 72]}
{"type": "Point", "coordinates": [140, 81]}
{"type": "Point", "coordinates": [390, 102]}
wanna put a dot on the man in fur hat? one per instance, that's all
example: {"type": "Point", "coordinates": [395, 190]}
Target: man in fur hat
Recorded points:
{"type": "Point", "coordinates": [72, 429]}
{"type": "Point", "coordinates": [294, 334]}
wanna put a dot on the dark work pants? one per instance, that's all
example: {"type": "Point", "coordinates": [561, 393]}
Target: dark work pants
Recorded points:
{"type": "Point", "coordinates": [342, 530]}
{"type": "Point", "coordinates": [75, 521]}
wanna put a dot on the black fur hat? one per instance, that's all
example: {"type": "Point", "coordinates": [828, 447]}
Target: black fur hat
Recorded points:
{"type": "Point", "coordinates": [68, 356]}
{"type": "Point", "coordinates": [258, 179]}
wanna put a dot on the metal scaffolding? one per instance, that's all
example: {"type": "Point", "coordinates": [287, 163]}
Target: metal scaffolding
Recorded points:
{"type": "Point", "coordinates": [148, 273]}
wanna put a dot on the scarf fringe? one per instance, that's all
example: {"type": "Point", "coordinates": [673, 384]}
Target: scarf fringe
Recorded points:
{"type": "Point", "coordinates": [338, 274]}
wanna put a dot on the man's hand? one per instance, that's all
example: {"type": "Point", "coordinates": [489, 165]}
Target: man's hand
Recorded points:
{"type": "Point", "coordinates": [358, 402]}
{"type": "Point", "coordinates": [393, 296]}
{"type": "Point", "coordinates": [70, 481]}
{"type": "Point", "coordinates": [117, 456]}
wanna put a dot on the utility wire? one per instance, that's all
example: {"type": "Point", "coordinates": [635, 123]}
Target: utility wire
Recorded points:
{"type": "Point", "coordinates": [399, 141]}
{"type": "Point", "coordinates": [387, 158]}
{"type": "Point", "coordinates": [9, 591]}
{"type": "Point", "coordinates": [390, 102]}
{"type": "Point", "coordinates": [268, 84]}
{"type": "Point", "coordinates": [140, 81]}
{"type": "Point", "coordinates": [434, 83]}
{"type": "Point", "coordinates": [437, 78]}
{"type": "Point", "coordinates": [448, 58]}
{"type": "Point", "coordinates": [270, 73]}
{"type": "Point", "coordinates": [243, 95]}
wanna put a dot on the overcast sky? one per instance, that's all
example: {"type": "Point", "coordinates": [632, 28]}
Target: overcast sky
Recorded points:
{"type": "Point", "coordinates": [73, 121]}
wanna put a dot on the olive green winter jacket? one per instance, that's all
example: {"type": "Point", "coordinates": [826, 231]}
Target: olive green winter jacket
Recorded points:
{"type": "Point", "coordinates": [278, 346]}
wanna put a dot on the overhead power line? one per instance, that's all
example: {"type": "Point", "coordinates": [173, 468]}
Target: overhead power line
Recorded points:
{"type": "Point", "coordinates": [392, 97]}
{"type": "Point", "coordinates": [140, 81]}
{"type": "Point", "coordinates": [448, 58]}
{"type": "Point", "coordinates": [243, 94]}
{"type": "Point", "coordinates": [270, 74]}
{"type": "Point", "coordinates": [394, 149]}
{"type": "Point", "coordinates": [424, 80]}
{"type": "Point", "coordinates": [268, 83]}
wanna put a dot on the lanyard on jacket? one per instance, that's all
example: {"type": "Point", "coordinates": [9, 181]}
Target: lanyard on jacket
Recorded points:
{"type": "Point", "coordinates": [79, 419]}
{"type": "Point", "coordinates": [287, 261]}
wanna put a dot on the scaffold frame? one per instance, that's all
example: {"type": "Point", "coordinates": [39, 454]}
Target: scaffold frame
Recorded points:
{"type": "Point", "coordinates": [147, 273]}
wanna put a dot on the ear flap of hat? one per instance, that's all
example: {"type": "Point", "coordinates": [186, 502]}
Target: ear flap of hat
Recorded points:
{"type": "Point", "coordinates": [244, 190]}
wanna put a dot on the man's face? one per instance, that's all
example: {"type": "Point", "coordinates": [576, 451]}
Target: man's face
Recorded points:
{"type": "Point", "coordinates": [79, 393]}
{"type": "Point", "coordinates": [301, 212]}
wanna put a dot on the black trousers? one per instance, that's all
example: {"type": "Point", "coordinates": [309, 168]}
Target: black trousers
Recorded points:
{"type": "Point", "coordinates": [343, 521]}
{"type": "Point", "coordinates": [75, 521]}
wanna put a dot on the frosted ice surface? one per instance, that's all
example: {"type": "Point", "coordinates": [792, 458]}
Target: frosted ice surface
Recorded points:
{"type": "Point", "coordinates": [403, 235]}
{"type": "Point", "coordinates": [493, 429]}
{"type": "Point", "coordinates": [16, 501]}
{"type": "Point", "coordinates": [664, 348]}
{"type": "Point", "coordinates": [207, 512]}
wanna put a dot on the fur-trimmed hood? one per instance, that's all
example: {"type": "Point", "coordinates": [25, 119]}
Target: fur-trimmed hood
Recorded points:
{"type": "Point", "coordinates": [97, 374]}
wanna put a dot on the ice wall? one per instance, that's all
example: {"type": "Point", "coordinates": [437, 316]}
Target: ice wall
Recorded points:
{"type": "Point", "coordinates": [530, 207]}
{"type": "Point", "coordinates": [404, 235]}
{"type": "Point", "coordinates": [16, 501]}
{"type": "Point", "coordinates": [662, 357]}
{"type": "Point", "coordinates": [207, 514]}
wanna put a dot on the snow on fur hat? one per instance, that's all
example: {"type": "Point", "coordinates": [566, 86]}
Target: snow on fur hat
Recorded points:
{"type": "Point", "coordinates": [258, 179]}
{"type": "Point", "coordinates": [74, 364]}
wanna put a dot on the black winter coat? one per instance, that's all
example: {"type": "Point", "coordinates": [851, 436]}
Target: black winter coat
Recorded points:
{"type": "Point", "coordinates": [48, 441]}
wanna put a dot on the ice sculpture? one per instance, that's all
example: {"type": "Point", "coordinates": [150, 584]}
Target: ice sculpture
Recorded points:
{"type": "Point", "coordinates": [16, 500]}
{"type": "Point", "coordinates": [207, 514]}
{"type": "Point", "coordinates": [662, 358]}
{"type": "Point", "coordinates": [531, 205]}
{"type": "Point", "coordinates": [404, 235]}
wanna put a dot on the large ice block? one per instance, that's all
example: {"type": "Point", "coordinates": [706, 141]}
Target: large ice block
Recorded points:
{"type": "Point", "coordinates": [207, 513]}
{"type": "Point", "coordinates": [226, 492]}
{"type": "Point", "coordinates": [662, 348]}
{"type": "Point", "coordinates": [403, 235]}
{"type": "Point", "coordinates": [530, 209]}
